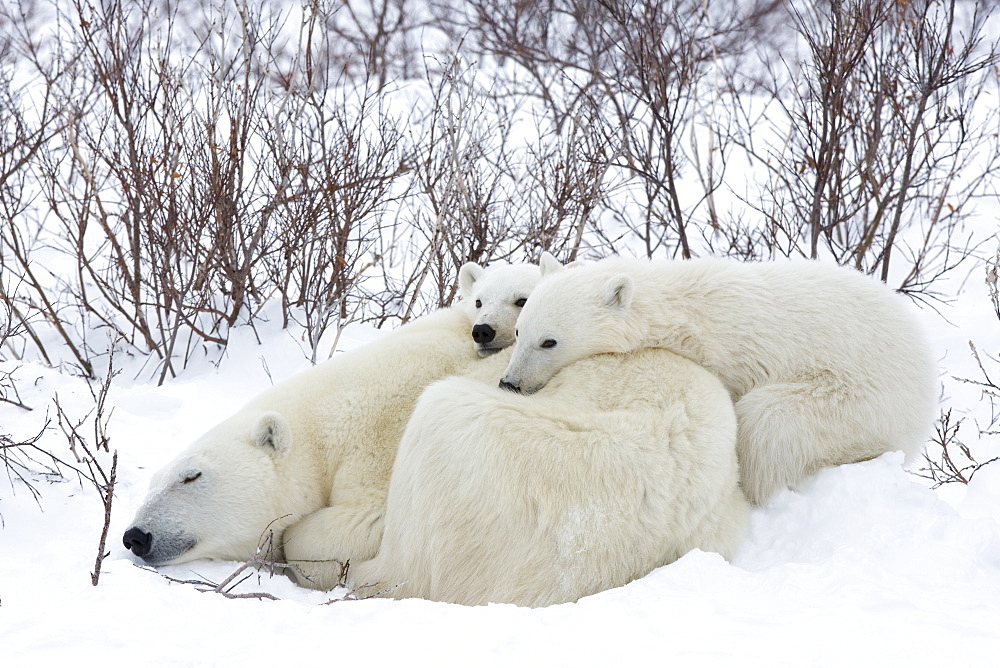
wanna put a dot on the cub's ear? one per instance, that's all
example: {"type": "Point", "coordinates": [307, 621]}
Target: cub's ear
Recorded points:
{"type": "Point", "coordinates": [549, 264]}
{"type": "Point", "coordinates": [271, 432]}
{"type": "Point", "coordinates": [618, 292]}
{"type": "Point", "coordinates": [467, 277]}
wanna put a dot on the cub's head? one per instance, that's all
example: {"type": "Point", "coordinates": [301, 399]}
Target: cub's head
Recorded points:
{"type": "Point", "coordinates": [570, 316]}
{"type": "Point", "coordinates": [217, 498]}
{"type": "Point", "coordinates": [495, 296]}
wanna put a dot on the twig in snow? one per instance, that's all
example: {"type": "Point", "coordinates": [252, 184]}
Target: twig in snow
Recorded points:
{"type": "Point", "coordinates": [354, 594]}
{"type": "Point", "coordinates": [261, 560]}
{"type": "Point", "coordinates": [102, 480]}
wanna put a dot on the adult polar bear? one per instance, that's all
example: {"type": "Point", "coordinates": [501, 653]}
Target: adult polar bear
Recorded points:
{"type": "Point", "coordinates": [826, 365]}
{"type": "Point", "coordinates": [621, 464]}
{"type": "Point", "coordinates": [314, 453]}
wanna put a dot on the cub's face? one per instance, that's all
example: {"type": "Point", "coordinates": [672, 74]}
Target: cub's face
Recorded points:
{"type": "Point", "coordinates": [495, 296]}
{"type": "Point", "coordinates": [570, 316]}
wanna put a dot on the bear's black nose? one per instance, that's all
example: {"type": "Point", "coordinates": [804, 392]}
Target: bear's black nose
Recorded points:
{"type": "Point", "coordinates": [483, 333]}
{"type": "Point", "coordinates": [138, 541]}
{"type": "Point", "coordinates": [510, 387]}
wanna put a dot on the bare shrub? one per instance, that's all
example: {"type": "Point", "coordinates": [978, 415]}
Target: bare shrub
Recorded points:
{"type": "Point", "coordinates": [11, 328]}
{"type": "Point", "coordinates": [461, 182]}
{"type": "Point", "coordinates": [666, 48]}
{"type": "Point", "coordinates": [335, 158]}
{"type": "Point", "coordinates": [990, 391]}
{"type": "Point", "coordinates": [494, 179]}
{"type": "Point", "coordinates": [267, 560]}
{"type": "Point", "coordinates": [656, 76]}
{"type": "Point", "coordinates": [874, 156]}
{"type": "Point", "coordinates": [87, 454]}
{"type": "Point", "coordinates": [561, 47]}
{"type": "Point", "coordinates": [227, 585]}
{"type": "Point", "coordinates": [202, 164]}
{"type": "Point", "coordinates": [376, 39]}
{"type": "Point", "coordinates": [28, 124]}
{"type": "Point", "coordinates": [949, 459]}
{"type": "Point", "coordinates": [23, 459]}
{"type": "Point", "coordinates": [565, 186]}
{"type": "Point", "coordinates": [159, 206]}
{"type": "Point", "coordinates": [344, 170]}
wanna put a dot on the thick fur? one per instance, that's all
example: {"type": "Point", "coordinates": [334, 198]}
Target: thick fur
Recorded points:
{"type": "Point", "coordinates": [826, 365]}
{"type": "Point", "coordinates": [621, 464]}
{"type": "Point", "coordinates": [311, 457]}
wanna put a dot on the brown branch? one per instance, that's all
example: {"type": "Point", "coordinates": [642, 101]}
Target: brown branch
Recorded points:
{"type": "Point", "coordinates": [102, 480]}
{"type": "Point", "coordinates": [354, 593]}
{"type": "Point", "coordinates": [107, 493]}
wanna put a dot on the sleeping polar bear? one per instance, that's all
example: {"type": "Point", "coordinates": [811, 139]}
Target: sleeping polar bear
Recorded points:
{"type": "Point", "coordinates": [310, 458]}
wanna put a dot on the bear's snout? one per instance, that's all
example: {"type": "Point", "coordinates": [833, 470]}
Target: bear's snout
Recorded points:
{"type": "Point", "coordinates": [510, 387]}
{"type": "Point", "coordinates": [483, 334]}
{"type": "Point", "coordinates": [138, 541]}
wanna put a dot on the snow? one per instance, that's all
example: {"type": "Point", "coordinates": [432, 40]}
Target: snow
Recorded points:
{"type": "Point", "coordinates": [862, 565]}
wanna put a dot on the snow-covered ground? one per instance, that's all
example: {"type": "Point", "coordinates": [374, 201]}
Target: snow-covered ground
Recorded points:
{"type": "Point", "coordinates": [863, 565]}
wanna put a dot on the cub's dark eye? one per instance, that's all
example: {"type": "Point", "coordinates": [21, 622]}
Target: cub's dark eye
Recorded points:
{"type": "Point", "coordinates": [191, 477]}
{"type": "Point", "coordinates": [479, 303]}
{"type": "Point", "coordinates": [515, 333]}
{"type": "Point", "coordinates": [521, 302]}
{"type": "Point", "coordinates": [549, 343]}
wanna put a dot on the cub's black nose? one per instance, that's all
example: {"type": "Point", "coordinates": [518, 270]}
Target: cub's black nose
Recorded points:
{"type": "Point", "coordinates": [510, 387]}
{"type": "Point", "coordinates": [138, 541]}
{"type": "Point", "coordinates": [483, 334]}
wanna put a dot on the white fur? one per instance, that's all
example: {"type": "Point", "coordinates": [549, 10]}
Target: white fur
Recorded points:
{"type": "Point", "coordinates": [621, 464]}
{"type": "Point", "coordinates": [826, 365]}
{"type": "Point", "coordinates": [311, 455]}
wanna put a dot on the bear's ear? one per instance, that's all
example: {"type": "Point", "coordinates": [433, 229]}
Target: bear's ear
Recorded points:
{"type": "Point", "coordinates": [467, 277]}
{"type": "Point", "coordinates": [549, 264]}
{"type": "Point", "coordinates": [271, 432]}
{"type": "Point", "coordinates": [618, 292]}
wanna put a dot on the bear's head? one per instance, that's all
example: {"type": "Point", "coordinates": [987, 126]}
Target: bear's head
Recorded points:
{"type": "Point", "coordinates": [570, 316]}
{"type": "Point", "coordinates": [494, 298]}
{"type": "Point", "coordinates": [219, 497]}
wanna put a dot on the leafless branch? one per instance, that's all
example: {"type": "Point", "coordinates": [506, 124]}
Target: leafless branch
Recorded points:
{"type": "Point", "coordinates": [102, 478]}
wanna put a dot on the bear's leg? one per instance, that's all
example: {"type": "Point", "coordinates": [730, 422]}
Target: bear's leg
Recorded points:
{"type": "Point", "coordinates": [320, 544]}
{"type": "Point", "coordinates": [787, 431]}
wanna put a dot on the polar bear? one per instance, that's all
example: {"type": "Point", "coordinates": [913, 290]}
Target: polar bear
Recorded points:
{"type": "Point", "coordinates": [498, 300]}
{"type": "Point", "coordinates": [313, 453]}
{"type": "Point", "coordinates": [826, 365]}
{"type": "Point", "coordinates": [621, 464]}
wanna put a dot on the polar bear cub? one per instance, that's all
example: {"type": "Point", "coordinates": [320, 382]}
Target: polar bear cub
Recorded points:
{"type": "Point", "coordinates": [311, 457]}
{"type": "Point", "coordinates": [826, 365]}
{"type": "Point", "coordinates": [621, 464]}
